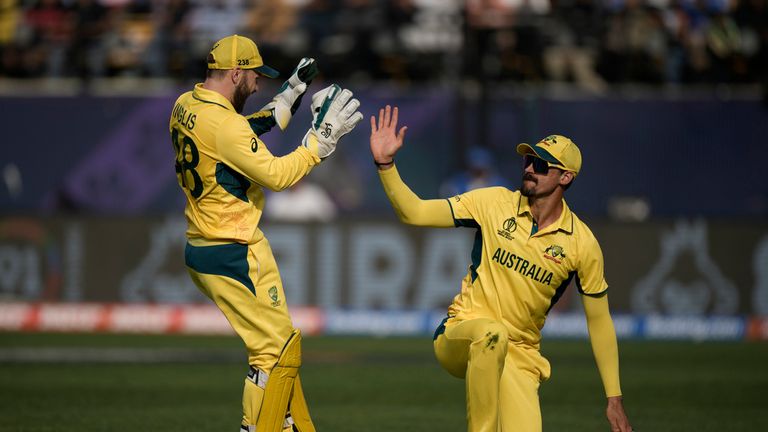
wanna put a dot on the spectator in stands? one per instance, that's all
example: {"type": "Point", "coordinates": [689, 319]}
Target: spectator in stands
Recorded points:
{"type": "Point", "coordinates": [634, 45]}
{"type": "Point", "coordinates": [585, 41]}
{"type": "Point", "coordinates": [87, 53]}
{"type": "Point", "coordinates": [577, 27]}
{"type": "Point", "coordinates": [167, 53]}
{"type": "Point", "coordinates": [51, 30]}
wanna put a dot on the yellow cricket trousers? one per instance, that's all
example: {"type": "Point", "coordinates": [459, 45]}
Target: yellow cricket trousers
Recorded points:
{"type": "Point", "coordinates": [502, 381]}
{"type": "Point", "coordinates": [244, 282]}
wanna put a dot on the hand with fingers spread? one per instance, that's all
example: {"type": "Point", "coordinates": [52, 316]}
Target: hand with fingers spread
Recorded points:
{"type": "Point", "coordinates": [386, 140]}
{"type": "Point", "coordinates": [616, 415]}
{"type": "Point", "coordinates": [334, 114]}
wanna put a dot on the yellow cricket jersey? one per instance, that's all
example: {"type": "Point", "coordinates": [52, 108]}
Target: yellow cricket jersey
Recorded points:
{"type": "Point", "coordinates": [222, 165]}
{"type": "Point", "coordinates": [518, 272]}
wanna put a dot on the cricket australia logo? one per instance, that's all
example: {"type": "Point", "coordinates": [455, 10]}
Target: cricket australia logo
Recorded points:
{"type": "Point", "coordinates": [275, 298]}
{"type": "Point", "coordinates": [327, 131]}
{"type": "Point", "coordinates": [507, 228]}
{"type": "Point", "coordinates": [554, 253]}
{"type": "Point", "coordinates": [548, 141]}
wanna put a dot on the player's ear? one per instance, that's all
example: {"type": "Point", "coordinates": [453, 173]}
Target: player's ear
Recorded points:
{"type": "Point", "coordinates": [566, 178]}
{"type": "Point", "coordinates": [236, 75]}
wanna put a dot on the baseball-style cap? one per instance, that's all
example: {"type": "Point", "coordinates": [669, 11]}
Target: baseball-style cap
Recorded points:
{"type": "Point", "coordinates": [558, 150]}
{"type": "Point", "coordinates": [238, 52]}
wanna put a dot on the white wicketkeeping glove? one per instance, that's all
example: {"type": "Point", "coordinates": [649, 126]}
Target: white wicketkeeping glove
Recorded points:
{"type": "Point", "coordinates": [288, 98]}
{"type": "Point", "coordinates": [334, 115]}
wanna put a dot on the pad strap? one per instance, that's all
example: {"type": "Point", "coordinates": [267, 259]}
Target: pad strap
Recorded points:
{"type": "Point", "coordinates": [258, 377]}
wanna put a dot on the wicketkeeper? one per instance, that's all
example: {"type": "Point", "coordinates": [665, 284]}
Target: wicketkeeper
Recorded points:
{"type": "Point", "coordinates": [222, 166]}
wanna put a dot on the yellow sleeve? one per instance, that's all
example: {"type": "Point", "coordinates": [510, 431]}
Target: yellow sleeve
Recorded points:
{"type": "Point", "coordinates": [243, 151]}
{"type": "Point", "coordinates": [410, 208]}
{"type": "Point", "coordinates": [591, 269]}
{"type": "Point", "coordinates": [603, 338]}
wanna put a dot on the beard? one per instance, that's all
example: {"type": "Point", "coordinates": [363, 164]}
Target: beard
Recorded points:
{"type": "Point", "coordinates": [240, 96]}
{"type": "Point", "coordinates": [528, 191]}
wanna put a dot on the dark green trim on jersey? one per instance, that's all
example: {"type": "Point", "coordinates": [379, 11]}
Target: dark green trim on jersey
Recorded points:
{"type": "Point", "coordinates": [534, 228]}
{"type": "Point", "coordinates": [230, 260]}
{"type": "Point", "coordinates": [453, 215]}
{"type": "Point", "coordinates": [477, 248]}
{"type": "Point", "coordinates": [561, 289]}
{"type": "Point", "coordinates": [477, 253]}
{"type": "Point", "coordinates": [210, 102]}
{"type": "Point", "coordinates": [466, 223]}
{"type": "Point", "coordinates": [261, 124]}
{"type": "Point", "coordinates": [440, 328]}
{"type": "Point", "coordinates": [232, 181]}
{"type": "Point", "coordinates": [581, 291]}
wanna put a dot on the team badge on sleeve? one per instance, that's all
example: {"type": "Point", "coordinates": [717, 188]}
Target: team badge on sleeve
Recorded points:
{"type": "Point", "coordinates": [275, 298]}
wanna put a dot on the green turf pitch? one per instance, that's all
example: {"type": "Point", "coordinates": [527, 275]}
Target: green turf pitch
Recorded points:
{"type": "Point", "coordinates": [178, 383]}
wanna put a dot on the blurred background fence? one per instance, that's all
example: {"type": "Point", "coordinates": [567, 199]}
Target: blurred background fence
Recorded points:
{"type": "Point", "coordinates": [666, 99]}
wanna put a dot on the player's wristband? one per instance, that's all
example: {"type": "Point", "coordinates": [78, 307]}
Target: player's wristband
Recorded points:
{"type": "Point", "coordinates": [378, 164]}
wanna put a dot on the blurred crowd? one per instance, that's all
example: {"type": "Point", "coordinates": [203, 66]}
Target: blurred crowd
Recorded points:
{"type": "Point", "coordinates": [590, 42]}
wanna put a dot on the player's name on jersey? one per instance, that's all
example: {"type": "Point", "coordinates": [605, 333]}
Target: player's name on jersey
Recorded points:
{"type": "Point", "coordinates": [186, 119]}
{"type": "Point", "coordinates": [523, 266]}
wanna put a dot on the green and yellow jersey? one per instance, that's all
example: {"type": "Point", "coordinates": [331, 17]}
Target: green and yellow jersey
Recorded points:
{"type": "Point", "coordinates": [518, 272]}
{"type": "Point", "coordinates": [222, 166]}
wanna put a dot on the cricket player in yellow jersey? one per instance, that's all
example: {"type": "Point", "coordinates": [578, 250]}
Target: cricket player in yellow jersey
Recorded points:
{"type": "Point", "coordinates": [222, 166]}
{"type": "Point", "coordinates": [528, 247]}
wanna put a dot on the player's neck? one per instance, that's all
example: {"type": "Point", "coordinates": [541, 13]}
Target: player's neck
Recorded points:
{"type": "Point", "coordinates": [221, 87]}
{"type": "Point", "coordinates": [546, 210]}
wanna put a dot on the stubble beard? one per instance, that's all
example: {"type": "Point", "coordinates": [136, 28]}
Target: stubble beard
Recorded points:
{"type": "Point", "coordinates": [528, 191]}
{"type": "Point", "coordinates": [240, 96]}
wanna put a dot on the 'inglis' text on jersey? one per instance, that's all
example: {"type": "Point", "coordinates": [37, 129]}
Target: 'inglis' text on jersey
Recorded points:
{"type": "Point", "coordinates": [185, 118]}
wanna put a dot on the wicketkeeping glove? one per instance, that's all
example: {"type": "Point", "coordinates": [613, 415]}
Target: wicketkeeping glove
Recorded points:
{"type": "Point", "coordinates": [334, 114]}
{"type": "Point", "coordinates": [288, 98]}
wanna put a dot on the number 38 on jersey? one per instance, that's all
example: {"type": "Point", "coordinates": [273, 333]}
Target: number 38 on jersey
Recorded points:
{"type": "Point", "coordinates": [187, 158]}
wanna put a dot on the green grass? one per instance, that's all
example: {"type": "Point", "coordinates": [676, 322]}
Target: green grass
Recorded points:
{"type": "Point", "coordinates": [370, 384]}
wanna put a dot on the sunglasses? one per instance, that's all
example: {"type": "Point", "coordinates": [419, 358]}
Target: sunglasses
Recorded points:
{"type": "Point", "coordinates": [540, 166]}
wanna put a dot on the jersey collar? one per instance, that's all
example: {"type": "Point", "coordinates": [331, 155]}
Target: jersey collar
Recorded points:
{"type": "Point", "coordinates": [209, 96]}
{"type": "Point", "coordinates": [564, 222]}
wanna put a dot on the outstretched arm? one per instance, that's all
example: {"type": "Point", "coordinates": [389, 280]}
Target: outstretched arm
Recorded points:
{"type": "Point", "coordinates": [385, 142]}
{"type": "Point", "coordinates": [603, 338]}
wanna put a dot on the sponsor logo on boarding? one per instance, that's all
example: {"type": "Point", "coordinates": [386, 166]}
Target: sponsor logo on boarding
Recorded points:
{"type": "Point", "coordinates": [507, 228]}
{"type": "Point", "coordinates": [554, 253]}
{"type": "Point", "coordinates": [275, 298]}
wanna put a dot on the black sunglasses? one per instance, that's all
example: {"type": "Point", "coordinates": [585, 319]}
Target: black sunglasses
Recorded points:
{"type": "Point", "coordinates": [540, 166]}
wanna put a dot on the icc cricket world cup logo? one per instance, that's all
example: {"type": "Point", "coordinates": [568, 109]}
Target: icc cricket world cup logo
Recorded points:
{"type": "Point", "coordinates": [508, 227]}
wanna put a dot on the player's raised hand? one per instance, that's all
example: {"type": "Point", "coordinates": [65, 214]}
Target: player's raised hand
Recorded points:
{"type": "Point", "coordinates": [386, 140]}
{"type": "Point", "coordinates": [284, 105]}
{"type": "Point", "coordinates": [334, 114]}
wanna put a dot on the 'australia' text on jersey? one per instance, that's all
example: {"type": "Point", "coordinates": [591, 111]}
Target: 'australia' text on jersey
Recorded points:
{"type": "Point", "coordinates": [522, 265]}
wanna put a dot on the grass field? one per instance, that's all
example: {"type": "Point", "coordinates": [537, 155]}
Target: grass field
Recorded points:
{"type": "Point", "coordinates": [184, 383]}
